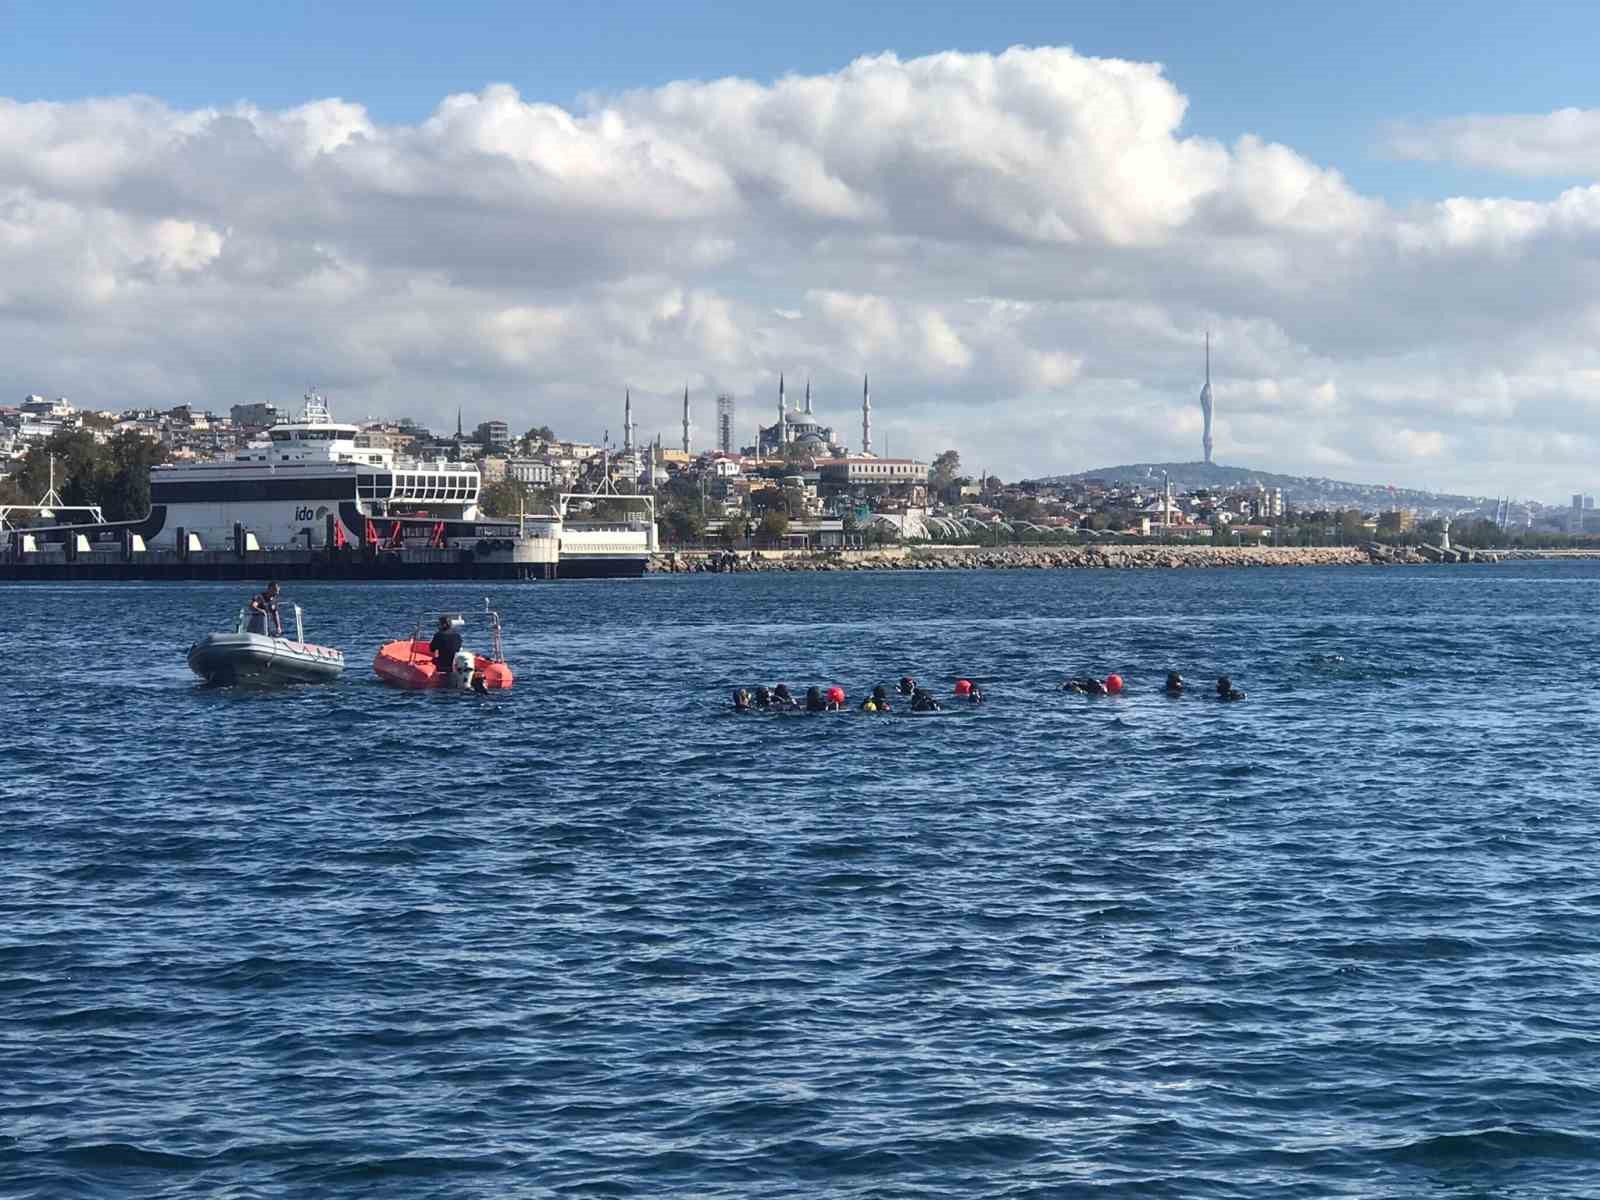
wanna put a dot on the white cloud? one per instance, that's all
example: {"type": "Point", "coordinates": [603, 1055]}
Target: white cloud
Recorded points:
{"type": "Point", "coordinates": [1558, 144]}
{"type": "Point", "coordinates": [1025, 249]}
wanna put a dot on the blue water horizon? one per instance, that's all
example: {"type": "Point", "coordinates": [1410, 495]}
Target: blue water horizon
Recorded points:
{"type": "Point", "coordinates": [600, 935]}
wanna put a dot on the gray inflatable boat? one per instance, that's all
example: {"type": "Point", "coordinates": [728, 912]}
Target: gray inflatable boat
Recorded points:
{"type": "Point", "coordinates": [250, 655]}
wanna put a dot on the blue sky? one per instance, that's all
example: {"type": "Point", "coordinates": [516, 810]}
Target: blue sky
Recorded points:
{"type": "Point", "coordinates": [1322, 77]}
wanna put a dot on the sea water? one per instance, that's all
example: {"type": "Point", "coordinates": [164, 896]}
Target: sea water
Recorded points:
{"type": "Point", "coordinates": [600, 936]}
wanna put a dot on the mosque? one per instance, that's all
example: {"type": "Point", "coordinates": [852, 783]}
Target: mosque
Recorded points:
{"type": "Point", "coordinates": [799, 428]}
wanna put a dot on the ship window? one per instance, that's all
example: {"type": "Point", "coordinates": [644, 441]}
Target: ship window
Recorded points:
{"type": "Point", "coordinates": [280, 437]}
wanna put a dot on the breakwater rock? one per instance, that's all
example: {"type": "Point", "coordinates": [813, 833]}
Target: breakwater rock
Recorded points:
{"type": "Point", "coordinates": [972, 558]}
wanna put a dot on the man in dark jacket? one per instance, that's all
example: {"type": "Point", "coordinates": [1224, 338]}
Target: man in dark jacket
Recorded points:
{"type": "Point", "coordinates": [446, 643]}
{"type": "Point", "coordinates": [264, 617]}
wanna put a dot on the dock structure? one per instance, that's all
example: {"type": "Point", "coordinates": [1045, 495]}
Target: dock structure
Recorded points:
{"type": "Point", "coordinates": [120, 554]}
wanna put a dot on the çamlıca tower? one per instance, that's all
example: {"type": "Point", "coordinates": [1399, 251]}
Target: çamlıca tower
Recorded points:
{"type": "Point", "coordinates": [1205, 400]}
{"type": "Point", "coordinates": [866, 417]}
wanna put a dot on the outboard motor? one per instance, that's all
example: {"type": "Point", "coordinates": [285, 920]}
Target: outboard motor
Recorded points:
{"type": "Point", "coordinates": [461, 671]}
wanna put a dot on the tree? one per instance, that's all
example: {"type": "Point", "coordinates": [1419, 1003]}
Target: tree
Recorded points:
{"type": "Point", "coordinates": [540, 433]}
{"type": "Point", "coordinates": [114, 475]}
{"type": "Point", "coordinates": [681, 526]}
{"type": "Point", "coordinates": [774, 525]}
{"type": "Point", "coordinates": [735, 530]}
{"type": "Point", "coordinates": [1023, 508]}
{"type": "Point", "coordinates": [945, 469]}
{"type": "Point", "coordinates": [767, 500]}
{"type": "Point", "coordinates": [504, 498]}
{"type": "Point", "coordinates": [125, 484]}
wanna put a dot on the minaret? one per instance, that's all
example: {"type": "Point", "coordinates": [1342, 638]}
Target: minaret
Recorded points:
{"type": "Point", "coordinates": [808, 395]}
{"type": "Point", "coordinates": [1205, 400]}
{"type": "Point", "coordinates": [458, 423]}
{"type": "Point", "coordinates": [686, 418]}
{"type": "Point", "coordinates": [866, 417]}
{"type": "Point", "coordinates": [627, 422]}
{"type": "Point", "coordinates": [783, 416]}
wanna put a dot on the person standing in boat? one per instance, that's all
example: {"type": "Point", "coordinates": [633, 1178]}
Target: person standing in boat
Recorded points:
{"type": "Point", "coordinates": [445, 645]}
{"type": "Point", "coordinates": [264, 617]}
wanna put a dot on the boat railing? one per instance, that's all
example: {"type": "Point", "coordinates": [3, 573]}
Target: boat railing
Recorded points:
{"type": "Point", "coordinates": [246, 620]}
{"type": "Point", "coordinates": [494, 627]}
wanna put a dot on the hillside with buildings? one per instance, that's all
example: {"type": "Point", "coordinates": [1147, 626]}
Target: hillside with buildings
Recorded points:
{"type": "Point", "coordinates": [1305, 492]}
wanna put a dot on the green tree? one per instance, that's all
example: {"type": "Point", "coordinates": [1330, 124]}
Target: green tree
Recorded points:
{"type": "Point", "coordinates": [125, 482]}
{"type": "Point", "coordinates": [681, 526]}
{"type": "Point", "coordinates": [504, 498]}
{"type": "Point", "coordinates": [774, 525]}
{"type": "Point", "coordinates": [735, 530]}
{"type": "Point", "coordinates": [539, 433]}
{"type": "Point", "coordinates": [945, 469]}
{"type": "Point", "coordinates": [1023, 508]}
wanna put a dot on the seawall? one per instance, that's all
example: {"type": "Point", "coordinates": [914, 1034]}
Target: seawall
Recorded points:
{"type": "Point", "coordinates": [972, 558]}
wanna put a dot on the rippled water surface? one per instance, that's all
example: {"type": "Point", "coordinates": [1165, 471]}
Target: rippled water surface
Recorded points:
{"type": "Point", "coordinates": [601, 937]}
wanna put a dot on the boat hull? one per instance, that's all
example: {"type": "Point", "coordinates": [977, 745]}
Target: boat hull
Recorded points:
{"type": "Point", "coordinates": [409, 664]}
{"type": "Point", "coordinates": [231, 658]}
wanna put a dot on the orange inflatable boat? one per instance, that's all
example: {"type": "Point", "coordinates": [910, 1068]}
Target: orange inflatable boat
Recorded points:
{"type": "Point", "coordinates": [408, 663]}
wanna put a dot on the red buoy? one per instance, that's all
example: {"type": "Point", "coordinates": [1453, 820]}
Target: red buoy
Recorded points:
{"type": "Point", "coordinates": [836, 694]}
{"type": "Point", "coordinates": [963, 687]}
{"type": "Point", "coordinates": [1113, 684]}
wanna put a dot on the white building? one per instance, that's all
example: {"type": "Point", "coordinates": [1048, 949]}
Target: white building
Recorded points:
{"type": "Point", "coordinates": [858, 469]}
{"type": "Point", "coordinates": [531, 471]}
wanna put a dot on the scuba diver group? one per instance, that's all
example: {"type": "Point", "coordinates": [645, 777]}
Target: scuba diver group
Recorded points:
{"type": "Point", "coordinates": [919, 699]}
{"type": "Point", "coordinates": [1112, 685]}
{"type": "Point", "coordinates": [916, 698]}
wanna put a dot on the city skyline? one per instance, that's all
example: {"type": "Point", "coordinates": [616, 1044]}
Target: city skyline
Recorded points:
{"type": "Point", "coordinates": [1026, 244]}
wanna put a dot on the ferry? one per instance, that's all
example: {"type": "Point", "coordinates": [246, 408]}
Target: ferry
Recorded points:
{"type": "Point", "coordinates": [314, 490]}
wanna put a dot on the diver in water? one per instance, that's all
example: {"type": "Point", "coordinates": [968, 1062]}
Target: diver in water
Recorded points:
{"type": "Point", "coordinates": [922, 701]}
{"type": "Point", "coordinates": [908, 686]}
{"type": "Point", "coordinates": [1226, 690]}
{"type": "Point", "coordinates": [814, 701]}
{"type": "Point", "coordinates": [1085, 686]}
{"type": "Point", "coordinates": [1174, 685]}
{"type": "Point", "coordinates": [781, 697]}
{"type": "Point", "coordinates": [741, 700]}
{"type": "Point", "coordinates": [479, 683]}
{"type": "Point", "coordinates": [975, 696]}
{"type": "Point", "coordinates": [878, 701]}
{"type": "Point", "coordinates": [763, 698]}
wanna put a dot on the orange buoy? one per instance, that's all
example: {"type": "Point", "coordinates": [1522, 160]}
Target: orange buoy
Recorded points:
{"type": "Point", "coordinates": [1113, 684]}
{"type": "Point", "coordinates": [963, 687]}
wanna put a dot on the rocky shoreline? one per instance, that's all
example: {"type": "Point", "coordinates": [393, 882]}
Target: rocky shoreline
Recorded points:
{"type": "Point", "coordinates": [936, 558]}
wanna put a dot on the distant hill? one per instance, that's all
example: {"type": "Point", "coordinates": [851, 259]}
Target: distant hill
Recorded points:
{"type": "Point", "coordinates": [1301, 491]}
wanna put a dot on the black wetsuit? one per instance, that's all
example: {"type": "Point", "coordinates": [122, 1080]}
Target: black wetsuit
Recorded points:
{"type": "Point", "coordinates": [922, 701]}
{"type": "Point", "coordinates": [445, 645]}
